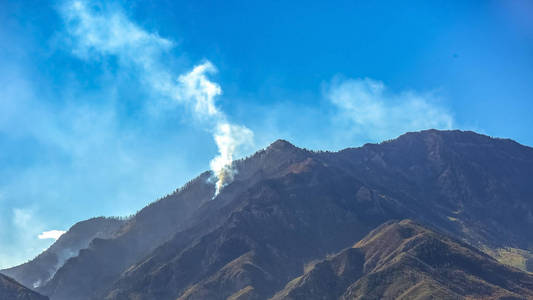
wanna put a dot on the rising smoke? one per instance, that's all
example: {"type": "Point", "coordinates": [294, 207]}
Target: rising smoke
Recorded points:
{"type": "Point", "coordinates": [108, 32]}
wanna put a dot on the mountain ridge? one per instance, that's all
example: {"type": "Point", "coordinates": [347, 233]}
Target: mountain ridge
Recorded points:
{"type": "Point", "coordinates": [286, 205]}
{"type": "Point", "coordinates": [309, 163]}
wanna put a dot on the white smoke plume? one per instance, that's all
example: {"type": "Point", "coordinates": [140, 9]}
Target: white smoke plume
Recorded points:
{"type": "Point", "coordinates": [101, 32]}
{"type": "Point", "coordinates": [195, 88]}
{"type": "Point", "coordinates": [228, 137]}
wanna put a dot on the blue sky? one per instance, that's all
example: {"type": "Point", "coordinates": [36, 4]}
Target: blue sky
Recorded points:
{"type": "Point", "coordinates": [107, 106]}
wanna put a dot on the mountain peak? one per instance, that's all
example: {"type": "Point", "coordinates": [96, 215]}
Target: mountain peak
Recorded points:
{"type": "Point", "coordinates": [281, 144]}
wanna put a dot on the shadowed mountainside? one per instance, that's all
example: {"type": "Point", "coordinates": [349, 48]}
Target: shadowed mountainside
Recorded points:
{"type": "Point", "coordinates": [288, 207]}
{"type": "Point", "coordinates": [96, 267]}
{"type": "Point", "coordinates": [12, 290]}
{"type": "Point", "coordinates": [40, 269]}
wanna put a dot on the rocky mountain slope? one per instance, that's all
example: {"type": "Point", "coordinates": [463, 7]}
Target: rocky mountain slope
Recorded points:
{"type": "Point", "coordinates": [404, 260]}
{"type": "Point", "coordinates": [288, 207]}
{"type": "Point", "coordinates": [318, 203]}
{"type": "Point", "coordinates": [12, 290]}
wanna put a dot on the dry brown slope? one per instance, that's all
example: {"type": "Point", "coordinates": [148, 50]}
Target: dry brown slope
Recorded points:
{"type": "Point", "coordinates": [404, 260]}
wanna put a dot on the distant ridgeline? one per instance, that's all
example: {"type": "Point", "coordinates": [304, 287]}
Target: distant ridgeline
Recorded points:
{"type": "Point", "coordinates": [298, 224]}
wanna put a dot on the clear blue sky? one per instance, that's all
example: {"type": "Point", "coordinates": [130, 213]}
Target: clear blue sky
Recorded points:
{"type": "Point", "coordinates": [94, 119]}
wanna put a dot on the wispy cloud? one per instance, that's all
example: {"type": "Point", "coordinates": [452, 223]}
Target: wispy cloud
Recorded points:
{"type": "Point", "coordinates": [109, 32]}
{"type": "Point", "coordinates": [51, 234]}
{"type": "Point", "coordinates": [366, 107]}
{"type": "Point", "coordinates": [22, 218]}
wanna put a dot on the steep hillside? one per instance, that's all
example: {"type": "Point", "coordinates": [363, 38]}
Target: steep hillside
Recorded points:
{"type": "Point", "coordinates": [191, 205]}
{"type": "Point", "coordinates": [404, 260]}
{"type": "Point", "coordinates": [95, 268]}
{"type": "Point", "coordinates": [277, 225]}
{"type": "Point", "coordinates": [288, 207]}
{"type": "Point", "coordinates": [477, 187]}
{"type": "Point", "coordinates": [40, 269]}
{"type": "Point", "coordinates": [12, 290]}
{"type": "Point", "coordinates": [319, 203]}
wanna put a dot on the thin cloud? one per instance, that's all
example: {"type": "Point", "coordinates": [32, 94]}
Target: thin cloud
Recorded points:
{"type": "Point", "coordinates": [51, 234]}
{"type": "Point", "coordinates": [367, 108]}
{"type": "Point", "coordinates": [22, 218]}
{"type": "Point", "coordinates": [110, 33]}
{"type": "Point", "coordinates": [24, 226]}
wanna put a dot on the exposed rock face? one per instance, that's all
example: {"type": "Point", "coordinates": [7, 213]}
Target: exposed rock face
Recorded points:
{"type": "Point", "coordinates": [404, 260]}
{"type": "Point", "coordinates": [288, 207]}
{"type": "Point", "coordinates": [12, 290]}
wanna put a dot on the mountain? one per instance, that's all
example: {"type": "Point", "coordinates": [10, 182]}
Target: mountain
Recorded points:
{"type": "Point", "coordinates": [12, 290]}
{"type": "Point", "coordinates": [90, 274]}
{"type": "Point", "coordinates": [288, 207]}
{"type": "Point", "coordinates": [39, 270]}
{"type": "Point", "coordinates": [404, 260]}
